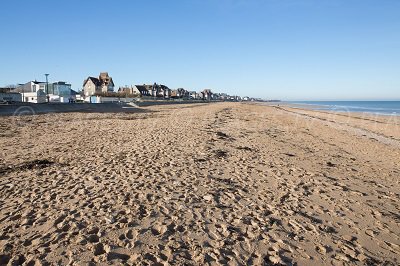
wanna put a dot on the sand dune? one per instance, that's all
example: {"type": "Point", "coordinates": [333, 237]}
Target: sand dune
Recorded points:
{"type": "Point", "coordinates": [216, 184]}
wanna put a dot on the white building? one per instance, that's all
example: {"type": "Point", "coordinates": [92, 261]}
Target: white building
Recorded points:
{"type": "Point", "coordinates": [61, 92]}
{"type": "Point", "coordinates": [35, 97]}
{"type": "Point", "coordinates": [39, 92]}
{"type": "Point", "coordinates": [32, 91]}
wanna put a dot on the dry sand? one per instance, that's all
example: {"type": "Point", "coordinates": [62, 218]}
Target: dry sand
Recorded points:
{"type": "Point", "coordinates": [215, 184]}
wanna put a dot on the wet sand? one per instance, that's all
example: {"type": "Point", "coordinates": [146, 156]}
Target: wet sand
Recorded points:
{"type": "Point", "coordinates": [213, 184]}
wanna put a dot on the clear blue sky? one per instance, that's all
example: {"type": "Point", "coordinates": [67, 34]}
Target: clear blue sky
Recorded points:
{"type": "Point", "coordinates": [285, 49]}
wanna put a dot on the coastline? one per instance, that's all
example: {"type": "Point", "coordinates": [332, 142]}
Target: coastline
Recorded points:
{"type": "Point", "coordinates": [387, 126]}
{"type": "Point", "coordinates": [344, 107]}
{"type": "Point", "coordinates": [223, 183]}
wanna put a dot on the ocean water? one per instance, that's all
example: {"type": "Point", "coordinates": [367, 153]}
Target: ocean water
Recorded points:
{"type": "Point", "coordinates": [373, 107]}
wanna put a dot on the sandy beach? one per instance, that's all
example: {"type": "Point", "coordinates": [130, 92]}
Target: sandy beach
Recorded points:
{"type": "Point", "coordinates": [200, 184]}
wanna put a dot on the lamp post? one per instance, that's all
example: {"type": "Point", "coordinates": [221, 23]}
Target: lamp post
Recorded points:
{"type": "Point", "coordinates": [47, 87]}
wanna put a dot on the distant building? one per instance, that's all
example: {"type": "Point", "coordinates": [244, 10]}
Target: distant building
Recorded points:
{"type": "Point", "coordinates": [31, 86]}
{"type": "Point", "coordinates": [32, 91]}
{"type": "Point", "coordinates": [138, 90]}
{"type": "Point", "coordinates": [192, 95]}
{"type": "Point", "coordinates": [143, 90]}
{"type": "Point", "coordinates": [102, 84]}
{"type": "Point", "coordinates": [207, 94]}
{"type": "Point", "coordinates": [5, 89]}
{"type": "Point", "coordinates": [61, 92]}
{"type": "Point", "coordinates": [220, 96]}
{"type": "Point", "coordinates": [10, 96]}
{"type": "Point", "coordinates": [7, 95]}
{"type": "Point", "coordinates": [180, 93]}
{"type": "Point", "coordinates": [155, 90]}
{"type": "Point", "coordinates": [35, 97]}
{"type": "Point", "coordinates": [60, 88]}
{"type": "Point", "coordinates": [127, 90]}
{"type": "Point", "coordinates": [159, 90]}
{"type": "Point", "coordinates": [174, 94]}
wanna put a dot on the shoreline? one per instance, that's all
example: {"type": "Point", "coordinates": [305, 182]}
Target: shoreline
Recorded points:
{"type": "Point", "coordinates": [352, 114]}
{"type": "Point", "coordinates": [321, 107]}
{"type": "Point", "coordinates": [376, 126]}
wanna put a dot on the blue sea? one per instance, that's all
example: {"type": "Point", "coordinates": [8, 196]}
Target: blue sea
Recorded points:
{"type": "Point", "coordinates": [373, 107]}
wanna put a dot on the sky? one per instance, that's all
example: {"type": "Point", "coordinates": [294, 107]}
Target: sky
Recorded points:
{"type": "Point", "coordinates": [272, 49]}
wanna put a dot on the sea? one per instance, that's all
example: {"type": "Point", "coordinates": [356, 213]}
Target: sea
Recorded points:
{"type": "Point", "coordinates": [372, 107]}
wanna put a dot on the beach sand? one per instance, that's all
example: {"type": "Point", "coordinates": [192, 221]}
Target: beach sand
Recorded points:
{"type": "Point", "coordinates": [216, 184]}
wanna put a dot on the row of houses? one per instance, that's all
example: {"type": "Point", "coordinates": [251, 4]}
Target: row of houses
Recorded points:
{"type": "Point", "coordinates": [103, 85]}
{"type": "Point", "coordinates": [162, 91]}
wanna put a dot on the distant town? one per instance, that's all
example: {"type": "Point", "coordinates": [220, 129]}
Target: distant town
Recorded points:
{"type": "Point", "coordinates": [101, 89]}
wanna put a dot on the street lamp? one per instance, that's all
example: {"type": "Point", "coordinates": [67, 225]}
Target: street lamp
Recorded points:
{"type": "Point", "coordinates": [47, 87]}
